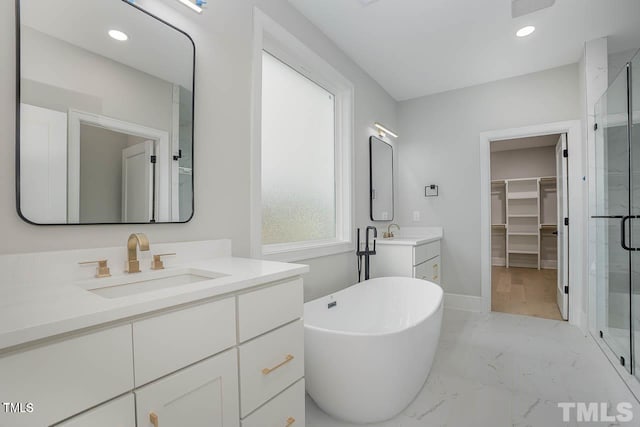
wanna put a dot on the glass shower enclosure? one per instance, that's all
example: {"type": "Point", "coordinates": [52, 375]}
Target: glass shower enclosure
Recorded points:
{"type": "Point", "coordinates": [617, 216]}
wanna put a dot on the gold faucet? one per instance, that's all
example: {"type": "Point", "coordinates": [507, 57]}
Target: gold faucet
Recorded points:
{"type": "Point", "coordinates": [135, 240]}
{"type": "Point", "coordinates": [389, 234]}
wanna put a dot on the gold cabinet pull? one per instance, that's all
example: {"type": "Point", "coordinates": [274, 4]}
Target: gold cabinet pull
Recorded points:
{"type": "Point", "coordinates": [267, 371]}
{"type": "Point", "coordinates": [290, 421]}
{"type": "Point", "coordinates": [153, 417]}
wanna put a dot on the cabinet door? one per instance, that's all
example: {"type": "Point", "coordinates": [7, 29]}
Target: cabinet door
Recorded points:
{"type": "Point", "coordinates": [205, 394]}
{"type": "Point", "coordinates": [391, 260]}
{"type": "Point", "coordinates": [286, 409]}
{"type": "Point", "coordinates": [120, 412]}
{"type": "Point", "coordinates": [428, 270]}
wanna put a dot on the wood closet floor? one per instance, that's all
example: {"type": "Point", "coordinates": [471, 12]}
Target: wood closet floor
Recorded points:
{"type": "Point", "coordinates": [526, 291]}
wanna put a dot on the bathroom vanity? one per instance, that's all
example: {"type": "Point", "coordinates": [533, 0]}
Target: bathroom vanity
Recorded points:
{"type": "Point", "coordinates": [209, 340]}
{"type": "Point", "coordinates": [412, 252]}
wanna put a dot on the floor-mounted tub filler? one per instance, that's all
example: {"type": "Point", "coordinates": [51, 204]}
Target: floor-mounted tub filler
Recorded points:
{"type": "Point", "coordinates": [369, 348]}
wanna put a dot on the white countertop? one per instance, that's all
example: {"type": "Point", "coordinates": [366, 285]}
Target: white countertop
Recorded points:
{"type": "Point", "coordinates": [412, 236]}
{"type": "Point", "coordinates": [34, 312]}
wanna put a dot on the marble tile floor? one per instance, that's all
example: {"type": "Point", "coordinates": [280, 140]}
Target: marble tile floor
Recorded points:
{"type": "Point", "coordinates": [498, 369]}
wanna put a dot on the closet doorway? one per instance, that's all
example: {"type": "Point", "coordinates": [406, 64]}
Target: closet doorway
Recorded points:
{"type": "Point", "coordinates": [529, 239]}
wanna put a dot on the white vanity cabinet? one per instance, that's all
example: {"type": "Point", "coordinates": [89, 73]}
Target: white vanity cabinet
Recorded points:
{"type": "Point", "coordinates": [272, 356]}
{"type": "Point", "coordinates": [223, 362]}
{"type": "Point", "coordinates": [119, 412]}
{"type": "Point", "coordinates": [205, 394]}
{"type": "Point", "coordinates": [407, 258]}
{"type": "Point", "coordinates": [65, 377]}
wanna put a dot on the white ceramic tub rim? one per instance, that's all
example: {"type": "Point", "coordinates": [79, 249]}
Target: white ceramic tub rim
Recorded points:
{"type": "Point", "coordinates": [427, 314]}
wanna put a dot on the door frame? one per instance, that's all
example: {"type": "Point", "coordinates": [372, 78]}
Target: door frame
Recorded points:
{"type": "Point", "coordinates": [577, 210]}
{"type": "Point", "coordinates": [167, 170]}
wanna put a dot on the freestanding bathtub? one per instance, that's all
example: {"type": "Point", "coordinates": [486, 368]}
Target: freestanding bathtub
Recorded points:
{"type": "Point", "coordinates": [369, 347]}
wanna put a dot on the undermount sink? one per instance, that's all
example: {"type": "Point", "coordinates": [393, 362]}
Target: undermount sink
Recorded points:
{"type": "Point", "coordinates": [147, 282]}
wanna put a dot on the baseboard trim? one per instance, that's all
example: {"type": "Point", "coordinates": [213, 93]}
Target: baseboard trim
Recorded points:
{"type": "Point", "coordinates": [462, 302]}
{"type": "Point", "coordinates": [498, 262]}
{"type": "Point", "coordinates": [549, 264]}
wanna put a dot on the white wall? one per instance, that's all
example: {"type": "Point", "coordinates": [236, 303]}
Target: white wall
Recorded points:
{"type": "Point", "coordinates": [59, 76]}
{"type": "Point", "coordinates": [223, 38]}
{"type": "Point", "coordinates": [440, 145]}
{"type": "Point", "coordinates": [101, 174]}
{"type": "Point", "coordinates": [617, 61]}
{"type": "Point", "coordinates": [525, 163]}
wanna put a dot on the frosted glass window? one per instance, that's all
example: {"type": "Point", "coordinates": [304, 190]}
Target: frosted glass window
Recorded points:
{"type": "Point", "coordinates": [298, 157]}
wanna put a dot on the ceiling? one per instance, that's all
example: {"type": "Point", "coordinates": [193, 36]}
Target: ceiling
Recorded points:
{"type": "Point", "coordinates": [522, 143]}
{"type": "Point", "coordinates": [414, 48]}
{"type": "Point", "coordinates": [153, 47]}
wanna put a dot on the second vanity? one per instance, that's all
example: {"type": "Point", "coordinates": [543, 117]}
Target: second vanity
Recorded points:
{"type": "Point", "coordinates": [224, 350]}
{"type": "Point", "coordinates": [412, 252]}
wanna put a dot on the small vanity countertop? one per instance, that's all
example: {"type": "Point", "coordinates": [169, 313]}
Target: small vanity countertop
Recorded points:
{"type": "Point", "coordinates": [412, 236]}
{"type": "Point", "coordinates": [30, 313]}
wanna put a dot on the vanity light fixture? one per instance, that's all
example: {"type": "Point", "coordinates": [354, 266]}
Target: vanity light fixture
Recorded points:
{"type": "Point", "coordinates": [525, 31]}
{"type": "Point", "coordinates": [196, 5]}
{"type": "Point", "coordinates": [383, 131]}
{"type": "Point", "coordinates": [118, 35]}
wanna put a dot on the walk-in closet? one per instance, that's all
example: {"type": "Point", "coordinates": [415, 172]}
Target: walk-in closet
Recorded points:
{"type": "Point", "coordinates": [527, 192]}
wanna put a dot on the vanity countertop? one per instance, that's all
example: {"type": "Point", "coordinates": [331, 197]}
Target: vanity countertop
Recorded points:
{"type": "Point", "coordinates": [413, 236]}
{"type": "Point", "coordinates": [30, 313]}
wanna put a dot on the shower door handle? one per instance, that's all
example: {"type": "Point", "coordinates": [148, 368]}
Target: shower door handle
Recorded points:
{"type": "Point", "coordinates": [623, 232]}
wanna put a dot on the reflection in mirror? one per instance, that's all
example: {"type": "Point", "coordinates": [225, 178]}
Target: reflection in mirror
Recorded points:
{"type": "Point", "coordinates": [106, 115]}
{"type": "Point", "coordinates": [381, 179]}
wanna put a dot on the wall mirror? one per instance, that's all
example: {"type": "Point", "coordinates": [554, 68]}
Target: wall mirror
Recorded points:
{"type": "Point", "coordinates": [105, 114]}
{"type": "Point", "coordinates": [381, 179]}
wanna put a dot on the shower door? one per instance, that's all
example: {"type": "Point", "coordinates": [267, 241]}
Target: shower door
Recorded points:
{"type": "Point", "coordinates": [634, 220]}
{"type": "Point", "coordinates": [612, 223]}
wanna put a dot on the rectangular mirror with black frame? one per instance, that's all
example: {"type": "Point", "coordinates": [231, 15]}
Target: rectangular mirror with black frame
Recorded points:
{"type": "Point", "coordinates": [381, 179]}
{"type": "Point", "coordinates": [104, 114]}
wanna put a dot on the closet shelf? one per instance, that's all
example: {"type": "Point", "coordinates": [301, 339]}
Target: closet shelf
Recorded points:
{"type": "Point", "coordinates": [523, 195]}
{"type": "Point", "coordinates": [525, 209]}
{"type": "Point", "coordinates": [523, 179]}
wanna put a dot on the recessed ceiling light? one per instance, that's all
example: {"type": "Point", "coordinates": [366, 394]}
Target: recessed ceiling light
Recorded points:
{"type": "Point", "coordinates": [525, 31]}
{"type": "Point", "coordinates": [118, 35]}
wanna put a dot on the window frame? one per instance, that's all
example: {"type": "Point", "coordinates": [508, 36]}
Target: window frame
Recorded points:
{"type": "Point", "coordinates": [278, 42]}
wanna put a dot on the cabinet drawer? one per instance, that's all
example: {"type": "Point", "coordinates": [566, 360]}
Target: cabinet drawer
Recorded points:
{"type": "Point", "coordinates": [428, 270]}
{"type": "Point", "coordinates": [168, 342]}
{"type": "Point", "coordinates": [285, 410]}
{"type": "Point", "coordinates": [120, 412]}
{"type": "Point", "coordinates": [270, 364]}
{"type": "Point", "coordinates": [67, 377]}
{"type": "Point", "coordinates": [205, 394]}
{"type": "Point", "coordinates": [266, 309]}
{"type": "Point", "coordinates": [425, 252]}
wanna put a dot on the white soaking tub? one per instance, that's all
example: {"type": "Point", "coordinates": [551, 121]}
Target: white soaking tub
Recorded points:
{"type": "Point", "coordinates": [369, 347]}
